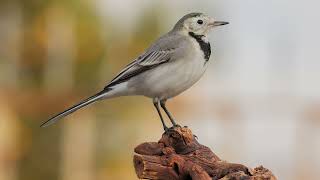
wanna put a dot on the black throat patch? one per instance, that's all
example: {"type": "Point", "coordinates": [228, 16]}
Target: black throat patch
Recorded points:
{"type": "Point", "coordinates": [205, 46]}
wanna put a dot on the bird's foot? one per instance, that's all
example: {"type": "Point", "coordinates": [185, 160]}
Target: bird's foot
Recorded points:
{"type": "Point", "coordinates": [174, 126]}
{"type": "Point", "coordinates": [166, 129]}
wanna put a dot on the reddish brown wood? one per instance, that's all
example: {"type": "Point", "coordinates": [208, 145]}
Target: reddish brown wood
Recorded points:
{"type": "Point", "coordinates": [179, 156]}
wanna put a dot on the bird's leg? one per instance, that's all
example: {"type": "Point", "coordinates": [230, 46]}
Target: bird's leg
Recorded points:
{"type": "Point", "coordinates": [156, 105]}
{"type": "Point", "coordinates": [163, 105]}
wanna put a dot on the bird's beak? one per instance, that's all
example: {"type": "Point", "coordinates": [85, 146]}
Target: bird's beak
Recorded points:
{"type": "Point", "coordinates": [219, 23]}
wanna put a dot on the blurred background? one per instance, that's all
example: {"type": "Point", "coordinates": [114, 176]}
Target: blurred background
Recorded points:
{"type": "Point", "coordinates": [258, 103]}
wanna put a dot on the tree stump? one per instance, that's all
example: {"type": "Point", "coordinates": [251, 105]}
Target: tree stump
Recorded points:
{"type": "Point", "coordinates": [179, 156]}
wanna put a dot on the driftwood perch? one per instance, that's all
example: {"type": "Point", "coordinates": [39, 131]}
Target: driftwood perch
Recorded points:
{"type": "Point", "coordinates": [179, 156]}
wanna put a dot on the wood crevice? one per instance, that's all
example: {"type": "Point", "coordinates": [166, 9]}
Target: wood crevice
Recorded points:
{"type": "Point", "coordinates": [179, 156]}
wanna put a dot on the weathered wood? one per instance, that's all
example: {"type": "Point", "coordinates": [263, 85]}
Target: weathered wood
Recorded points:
{"type": "Point", "coordinates": [179, 156]}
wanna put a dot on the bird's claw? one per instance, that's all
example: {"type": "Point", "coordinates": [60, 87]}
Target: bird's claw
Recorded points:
{"type": "Point", "coordinates": [176, 125]}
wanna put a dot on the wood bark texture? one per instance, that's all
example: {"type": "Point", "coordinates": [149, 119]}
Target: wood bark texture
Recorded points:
{"type": "Point", "coordinates": [179, 156]}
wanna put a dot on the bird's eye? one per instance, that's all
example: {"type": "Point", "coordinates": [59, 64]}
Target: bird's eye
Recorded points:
{"type": "Point", "coordinates": [200, 21]}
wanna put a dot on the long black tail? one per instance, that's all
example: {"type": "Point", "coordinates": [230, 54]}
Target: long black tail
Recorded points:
{"type": "Point", "coordinates": [74, 108]}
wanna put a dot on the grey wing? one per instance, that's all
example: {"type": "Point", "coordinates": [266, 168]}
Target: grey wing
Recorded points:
{"type": "Point", "coordinates": [160, 52]}
{"type": "Point", "coordinates": [140, 65]}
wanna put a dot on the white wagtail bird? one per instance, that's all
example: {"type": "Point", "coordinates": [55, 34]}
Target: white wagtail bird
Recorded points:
{"type": "Point", "coordinates": [171, 65]}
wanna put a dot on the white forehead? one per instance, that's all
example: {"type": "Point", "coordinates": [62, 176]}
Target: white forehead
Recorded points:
{"type": "Point", "coordinates": [201, 16]}
{"type": "Point", "coordinates": [189, 19]}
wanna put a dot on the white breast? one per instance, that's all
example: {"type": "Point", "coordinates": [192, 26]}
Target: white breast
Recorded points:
{"type": "Point", "coordinates": [171, 79]}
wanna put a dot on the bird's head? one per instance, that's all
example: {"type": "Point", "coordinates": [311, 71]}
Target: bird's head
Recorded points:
{"type": "Point", "coordinates": [197, 23]}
